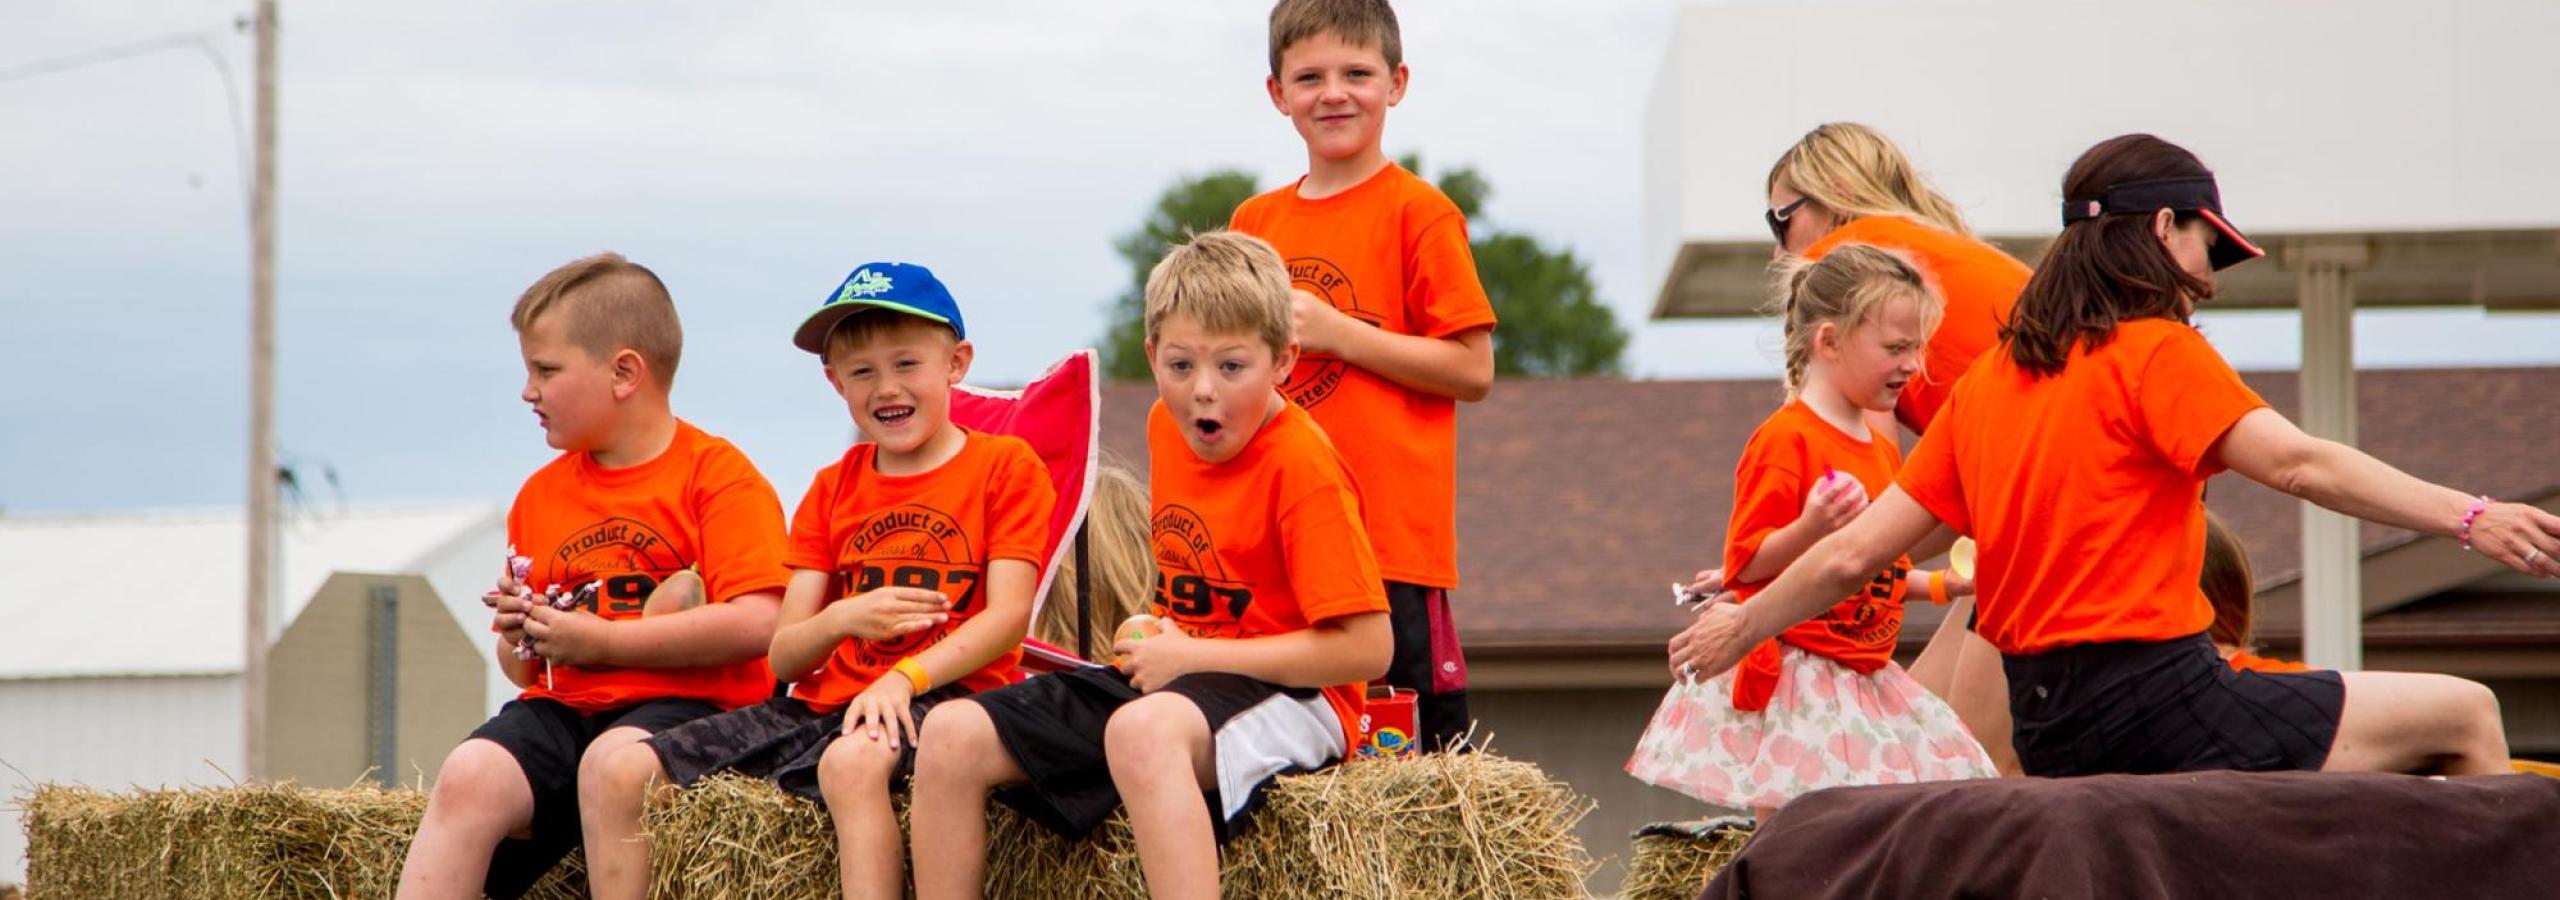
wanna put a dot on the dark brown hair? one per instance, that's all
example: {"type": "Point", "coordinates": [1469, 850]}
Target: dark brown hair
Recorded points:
{"type": "Point", "coordinates": [2228, 582]}
{"type": "Point", "coordinates": [2106, 270]}
{"type": "Point", "coordinates": [1360, 23]}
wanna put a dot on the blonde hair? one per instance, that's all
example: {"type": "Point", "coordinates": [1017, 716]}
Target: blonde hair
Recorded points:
{"type": "Point", "coordinates": [607, 303]}
{"type": "Point", "coordinates": [1848, 287]}
{"type": "Point", "coordinates": [1854, 171]}
{"type": "Point", "coordinates": [1362, 23]}
{"type": "Point", "coordinates": [1121, 563]}
{"type": "Point", "coordinates": [1230, 282]}
{"type": "Point", "coordinates": [864, 326]}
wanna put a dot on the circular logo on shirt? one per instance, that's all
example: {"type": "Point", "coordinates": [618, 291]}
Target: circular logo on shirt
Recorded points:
{"type": "Point", "coordinates": [1318, 375]}
{"type": "Point", "coordinates": [1192, 587]}
{"type": "Point", "coordinates": [626, 555]}
{"type": "Point", "coordinates": [912, 546]}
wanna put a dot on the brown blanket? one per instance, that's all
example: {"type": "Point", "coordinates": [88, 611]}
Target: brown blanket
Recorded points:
{"type": "Point", "coordinates": [2206, 834]}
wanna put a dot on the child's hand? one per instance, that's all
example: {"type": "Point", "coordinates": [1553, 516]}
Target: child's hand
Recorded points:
{"type": "Point", "coordinates": [883, 613]}
{"type": "Point", "coordinates": [888, 704]}
{"type": "Point", "coordinates": [1707, 583]}
{"type": "Point", "coordinates": [681, 591]}
{"type": "Point", "coordinates": [511, 616]}
{"type": "Point", "coordinates": [1162, 655]}
{"type": "Point", "coordinates": [1319, 325]}
{"type": "Point", "coordinates": [1958, 586]}
{"type": "Point", "coordinates": [567, 637]}
{"type": "Point", "coordinates": [1834, 500]}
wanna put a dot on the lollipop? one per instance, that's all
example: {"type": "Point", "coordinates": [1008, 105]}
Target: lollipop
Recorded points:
{"type": "Point", "coordinates": [1960, 558]}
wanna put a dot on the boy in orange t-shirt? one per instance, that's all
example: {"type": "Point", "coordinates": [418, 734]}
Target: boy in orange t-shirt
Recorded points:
{"type": "Point", "coordinates": [913, 560]}
{"type": "Point", "coordinates": [636, 497]}
{"type": "Point", "coordinates": [1393, 325]}
{"type": "Point", "coordinates": [1268, 619]}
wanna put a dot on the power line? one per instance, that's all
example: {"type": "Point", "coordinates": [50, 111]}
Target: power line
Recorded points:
{"type": "Point", "coordinates": [202, 39]}
{"type": "Point", "coordinates": [26, 70]}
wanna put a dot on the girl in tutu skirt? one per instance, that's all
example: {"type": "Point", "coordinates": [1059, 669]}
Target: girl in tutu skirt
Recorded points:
{"type": "Point", "coordinates": [1823, 704]}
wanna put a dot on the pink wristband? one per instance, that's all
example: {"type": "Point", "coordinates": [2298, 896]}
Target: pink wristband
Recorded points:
{"type": "Point", "coordinates": [2478, 505]}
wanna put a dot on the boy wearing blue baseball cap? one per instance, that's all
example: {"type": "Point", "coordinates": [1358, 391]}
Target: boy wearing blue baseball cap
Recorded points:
{"type": "Point", "coordinates": [913, 559]}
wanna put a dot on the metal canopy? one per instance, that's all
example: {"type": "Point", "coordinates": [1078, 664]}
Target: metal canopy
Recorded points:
{"type": "Point", "coordinates": [2504, 269]}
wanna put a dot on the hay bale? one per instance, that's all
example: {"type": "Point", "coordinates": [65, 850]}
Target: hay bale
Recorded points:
{"type": "Point", "coordinates": [1675, 861]}
{"type": "Point", "coordinates": [1433, 826]}
{"type": "Point", "coordinates": [234, 843]}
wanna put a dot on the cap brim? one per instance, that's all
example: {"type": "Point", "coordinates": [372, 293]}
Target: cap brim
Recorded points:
{"type": "Point", "coordinates": [812, 335]}
{"type": "Point", "coordinates": [2235, 248]}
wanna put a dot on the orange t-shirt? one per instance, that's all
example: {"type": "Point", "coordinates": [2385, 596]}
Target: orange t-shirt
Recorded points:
{"type": "Point", "coordinates": [2245, 661]}
{"type": "Point", "coordinates": [698, 505]}
{"type": "Point", "coordinates": [1980, 284]}
{"type": "Point", "coordinates": [937, 530]}
{"type": "Point", "coordinates": [1268, 542]}
{"type": "Point", "coordinates": [1788, 453]}
{"type": "Point", "coordinates": [2084, 491]}
{"type": "Point", "coordinates": [1392, 252]}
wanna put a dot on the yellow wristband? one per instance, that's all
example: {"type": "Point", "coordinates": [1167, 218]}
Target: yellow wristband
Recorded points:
{"type": "Point", "coordinates": [1938, 587]}
{"type": "Point", "coordinates": [916, 676]}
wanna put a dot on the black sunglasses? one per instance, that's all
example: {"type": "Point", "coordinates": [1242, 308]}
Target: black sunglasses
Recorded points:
{"type": "Point", "coordinates": [1778, 218]}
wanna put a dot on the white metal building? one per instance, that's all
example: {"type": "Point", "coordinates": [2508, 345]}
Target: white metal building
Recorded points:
{"type": "Point", "coordinates": [120, 635]}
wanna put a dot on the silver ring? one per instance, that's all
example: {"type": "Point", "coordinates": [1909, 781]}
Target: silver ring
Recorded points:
{"type": "Point", "coordinates": [2531, 554]}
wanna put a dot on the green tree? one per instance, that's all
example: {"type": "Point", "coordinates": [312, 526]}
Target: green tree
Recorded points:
{"type": "Point", "coordinates": [1552, 321]}
{"type": "Point", "coordinates": [1192, 205]}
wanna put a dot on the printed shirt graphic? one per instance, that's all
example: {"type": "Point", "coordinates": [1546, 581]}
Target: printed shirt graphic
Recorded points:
{"type": "Point", "coordinates": [1391, 252]}
{"type": "Point", "coordinates": [1268, 542]}
{"type": "Point", "coordinates": [1979, 282]}
{"type": "Point", "coordinates": [2085, 490]}
{"type": "Point", "coordinates": [700, 504]}
{"type": "Point", "coordinates": [1786, 455]}
{"type": "Point", "coordinates": [936, 530]}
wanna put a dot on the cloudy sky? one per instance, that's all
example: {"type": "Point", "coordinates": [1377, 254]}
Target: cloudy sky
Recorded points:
{"type": "Point", "coordinates": [438, 157]}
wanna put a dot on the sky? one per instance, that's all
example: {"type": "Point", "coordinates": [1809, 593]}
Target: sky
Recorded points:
{"type": "Point", "coordinates": [437, 158]}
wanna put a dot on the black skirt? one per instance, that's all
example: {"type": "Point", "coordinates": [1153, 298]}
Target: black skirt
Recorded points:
{"type": "Point", "coordinates": [2171, 706]}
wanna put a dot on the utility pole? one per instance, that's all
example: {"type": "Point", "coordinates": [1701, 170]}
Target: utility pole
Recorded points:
{"type": "Point", "coordinates": [262, 407]}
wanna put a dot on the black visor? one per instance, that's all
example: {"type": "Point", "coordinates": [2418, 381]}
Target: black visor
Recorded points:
{"type": "Point", "coordinates": [2195, 193]}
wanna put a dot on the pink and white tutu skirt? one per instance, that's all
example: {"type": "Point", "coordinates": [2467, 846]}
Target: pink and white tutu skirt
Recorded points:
{"type": "Point", "coordinates": [1826, 726]}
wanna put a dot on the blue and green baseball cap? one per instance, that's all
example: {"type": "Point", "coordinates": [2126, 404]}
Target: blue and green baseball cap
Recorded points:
{"type": "Point", "coordinates": [898, 287]}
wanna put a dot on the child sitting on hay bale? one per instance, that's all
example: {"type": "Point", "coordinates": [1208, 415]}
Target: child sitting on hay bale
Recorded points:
{"type": "Point", "coordinates": [1273, 614]}
{"type": "Point", "coordinates": [1822, 705]}
{"type": "Point", "coordinates": [636, 497]}
{"type": "Point", "coordinates": [913, 560]}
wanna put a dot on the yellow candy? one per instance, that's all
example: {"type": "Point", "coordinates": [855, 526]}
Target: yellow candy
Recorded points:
{"type": "Point", "coordinates": [1960, 557]}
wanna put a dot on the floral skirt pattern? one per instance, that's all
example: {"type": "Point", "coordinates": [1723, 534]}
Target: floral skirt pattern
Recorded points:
{"type": "Point", "coordinates": [1827, 726]}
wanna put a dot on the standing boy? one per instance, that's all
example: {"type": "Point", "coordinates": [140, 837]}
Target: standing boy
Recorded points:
{"type": "Point", "coordinates": [1393, 325]}
{"type": "Point", "coordinates": [913, 559]}
{"type": "Point", "coordinates": [636, 496]}
{"type": "Point", "coordinates": [1270, 614]}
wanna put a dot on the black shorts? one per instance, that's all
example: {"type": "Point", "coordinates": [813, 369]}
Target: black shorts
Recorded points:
{"type": "Point", "coordinates": [2171, 706]}
{"type": "Point", "coordinates": [547, 738]}
{"type": "Point", "coordinates": [1053, 725]}
{"type": "Point", "coordinates": [781, 740]}
{"type": "Point", "coordinates": [1429, 662]}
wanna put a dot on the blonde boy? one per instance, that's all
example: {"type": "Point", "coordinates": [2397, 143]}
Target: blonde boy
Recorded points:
{"type": "Point", "coordinates": [913, 559]}
{"type": "Point", "coordinates": [1394, 327]}
{"type": "Point", "coordinates": [636, 497]}
{"type": "Point", "coordinates": [1269, 614]}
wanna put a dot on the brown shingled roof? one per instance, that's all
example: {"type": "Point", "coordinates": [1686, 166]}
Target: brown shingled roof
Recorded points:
{"type": "Point", "coordinates": [1580, 501]}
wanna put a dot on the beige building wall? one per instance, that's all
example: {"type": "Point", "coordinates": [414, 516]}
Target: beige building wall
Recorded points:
{"type": "Point", "coordinates": [320, 684]}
